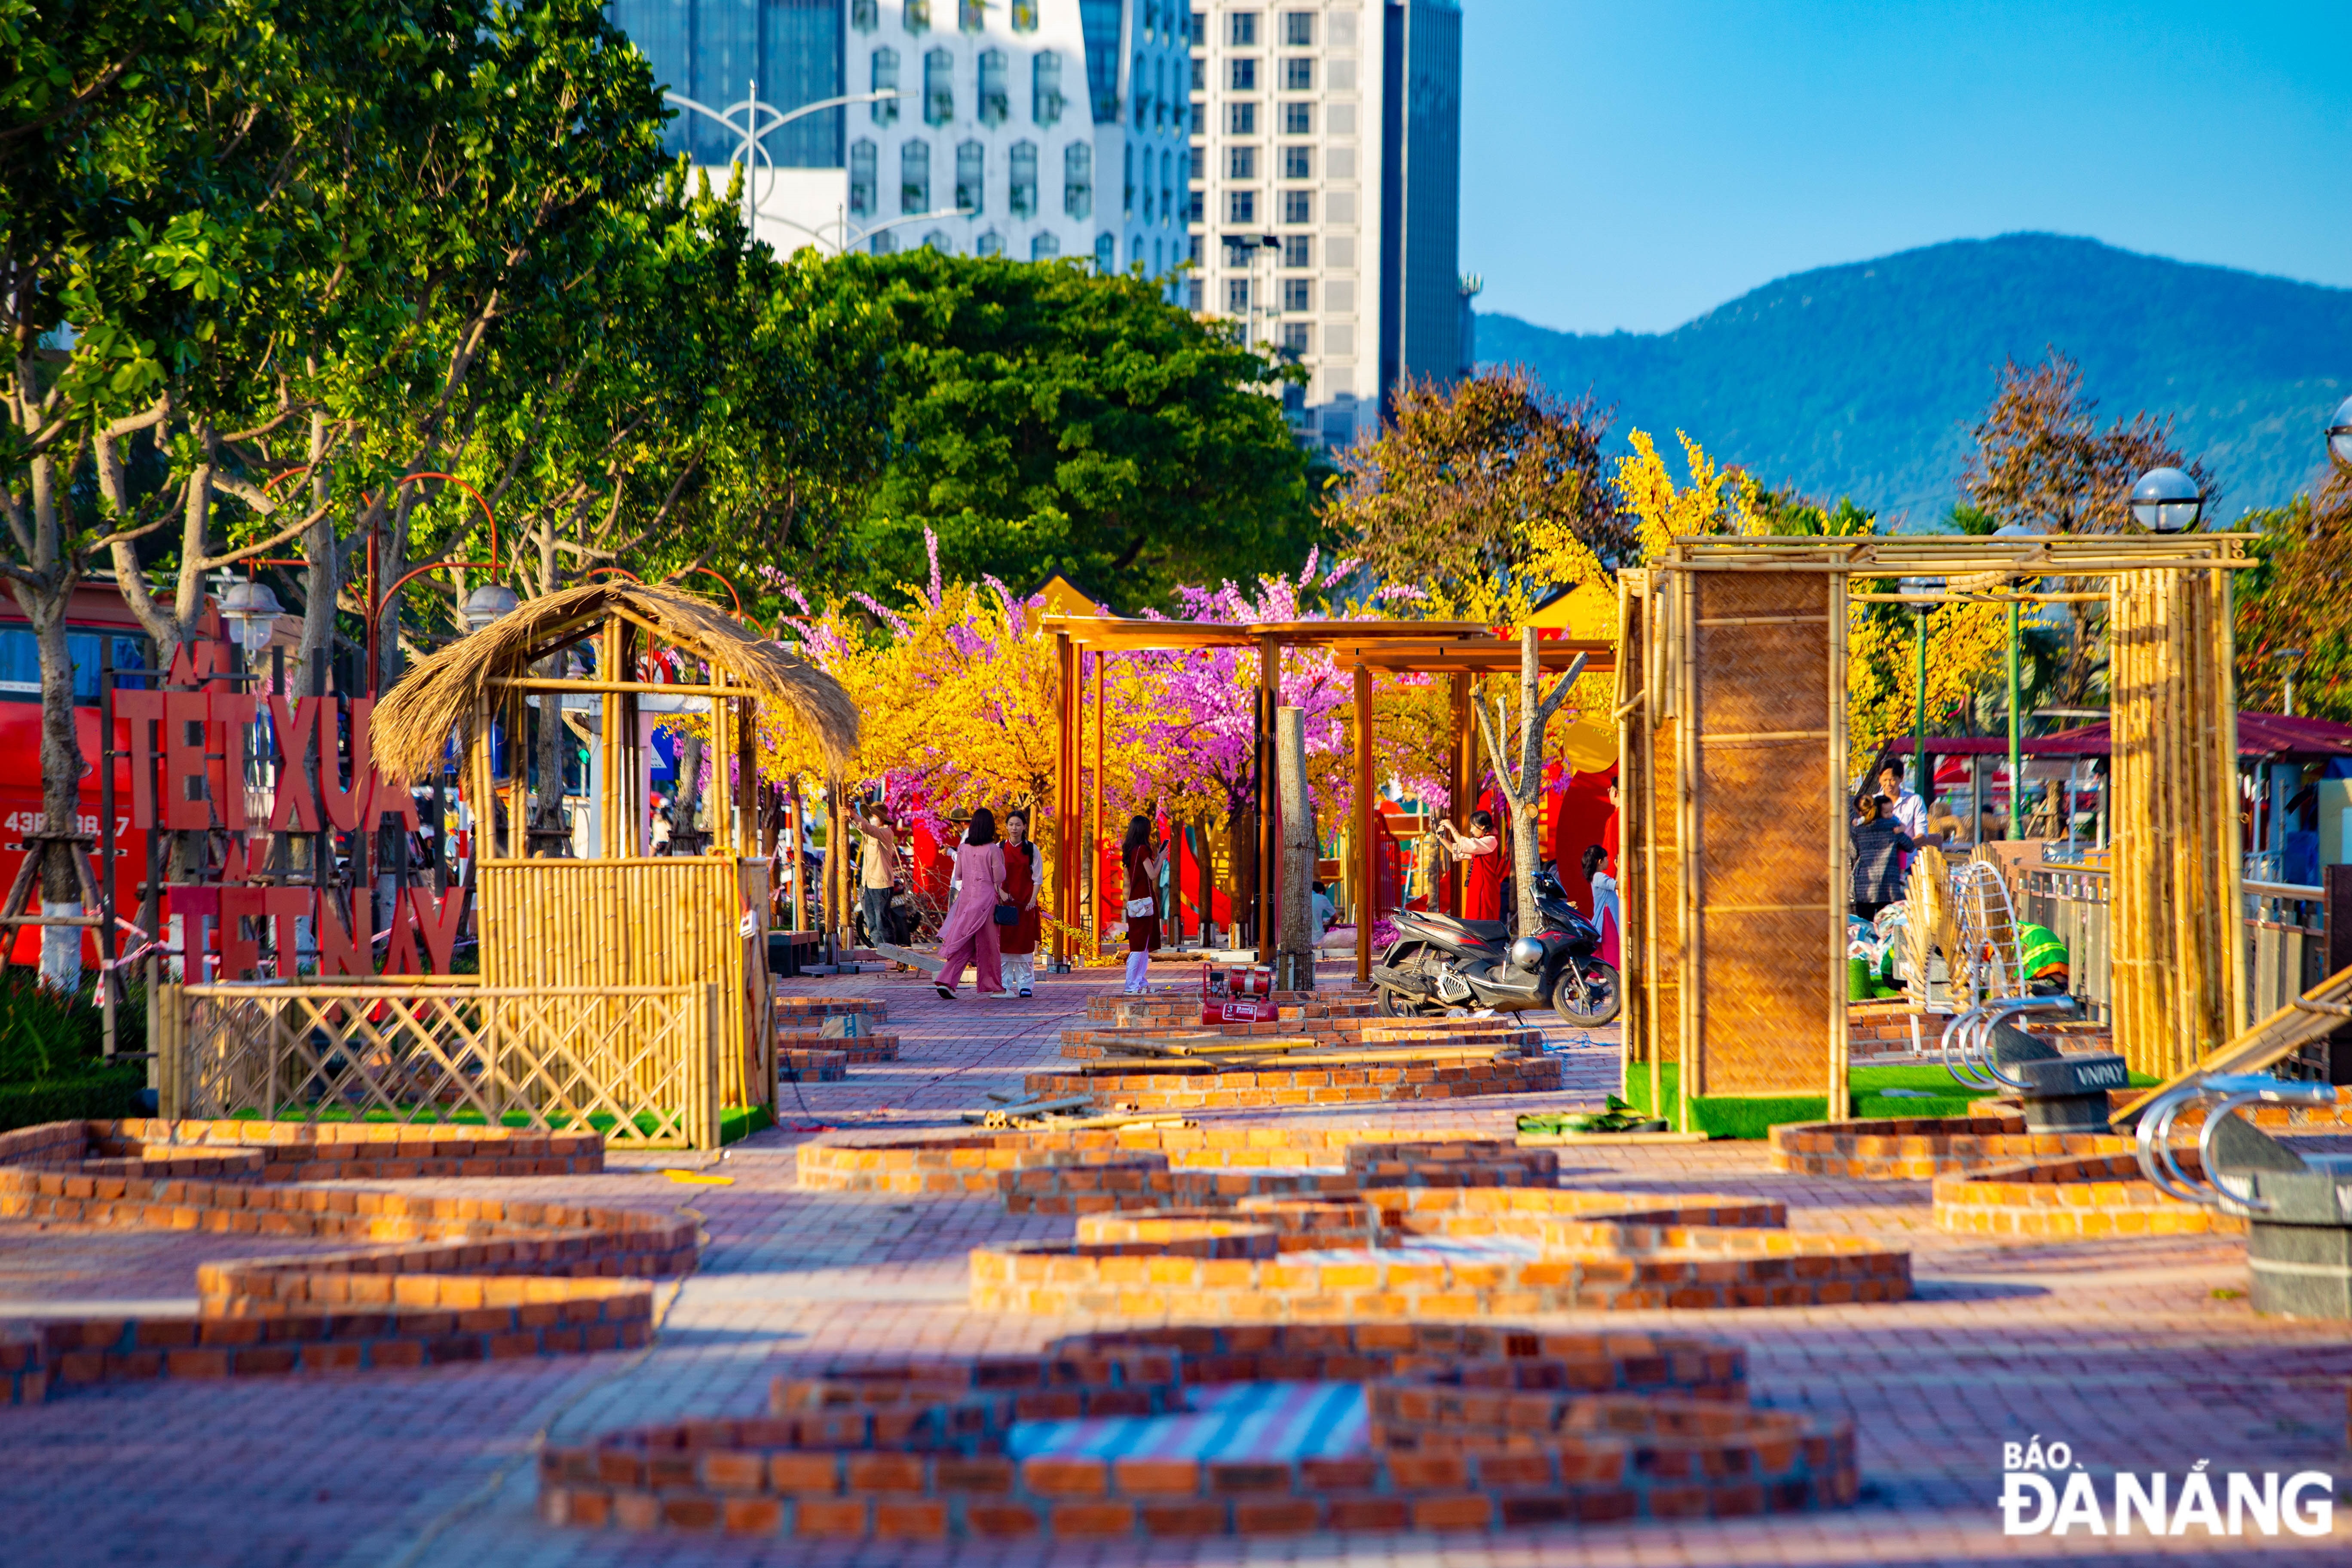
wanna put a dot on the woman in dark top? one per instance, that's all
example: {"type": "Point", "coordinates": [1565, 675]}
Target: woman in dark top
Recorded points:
{"type": "Point", "coordinates": [1873, 838]}
{"type": "Point", "coordinates": [1141, 861]}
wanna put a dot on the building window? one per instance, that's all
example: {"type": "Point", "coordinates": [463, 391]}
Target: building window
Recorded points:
{"type": "Point", "coordinates": [1293, 338]}
{"type": "Point", "coordinates": [1046, 89]}
{"type": "Point", "coordinates": [1079, 180]}
{"type": "Point", "coordinates": [1194, 254]}
{"type": "Point", "coordinates": [865, 15]}
{"type": "Point", "coordinates": [1045, 248]}
{"type": "Point", "coordinates": [1237, 295]}
{"type": "Point", "coordinates": [1243, 28]}
{"type": "Point", "coordinates": [1201, 118]}
{"type": "Point", "coordinates": [1299, 120]}
{"type": "Point", "coordinates": [1241, 119]}
{"type": "Point", "coordinates": [972, 174]}
{"type": "Point", "coordinates": [1299, 162]}
{"type": "Point", "coordinates": [1199, 161]}
{"type": "Point", "coordinates": [861, 178]}
{"type": "Point", "coordinates": [1241, 162]}
{"type": "Point", "coordinates": [1200, 76]}
{"type": "Point", "coordinates": [1024, 16]}
{"type": "Point", "coordinates": [882, 244]}
{"type": "Point", "coordinates": [1297, 294]}
{"type": "Point", "coordinates": [885, 79]}
{"type": "Point", "coordinates": [1299, 29]}
{"type": "Point", "coordinates": [1135, 250]}
{"type": "Point", "coordinates": [1199, 38]}
{"type": "Point", "coordinates": [1193, 294]}
{"type": "Point", "coordinates": [1141, 93]}
{"type": "Point", "coordinates": [1241, 206]}
{"type": "Point", "coordinates": [1198, 211]}
{"type": "Point", "coordinates": [1244, 76]}
{"type": "Point", "coordinates": [914, 177]}
{"type": "Point", "coordinates": [995, 88]}
{"type": "Point", "coordinates": [1298, 74]}
{"type": "Point", "coordinates": [1167, 186]}
{"type": "Point", "coordinates": [970, 16]}
{"type": "Point", "coordinates": [1160, 92]}
{"type": "Point", "coordinates": [937, 240]}
{"type": "Point", "coordinates": [938, 86]}
{"type": "Point", "coordinates": [1127, 206]}
{"type": "Point", "coordinates": [991, 244]}
{"type": "Point", "coordinates": [1105, 255]}
{"type": "Point", "coordinates": [1298, 206]}
{"type": "Point", "coordinates": [1297, 251]}
{"type": "Point", "coordinates": [1021, 199]}
{"type": "Point", "coordinates": [916, 17]}
{"type": "Point", "coordinates": [1159, 259]}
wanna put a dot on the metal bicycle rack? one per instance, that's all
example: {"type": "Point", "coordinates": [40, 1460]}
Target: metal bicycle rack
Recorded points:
{"type": "Point", "coordinates": [1979, 1066]}
{"type": "Point", "coordinates": [2060, 1093]}
{"type": "Point", "coordinates": [2297, 1207]}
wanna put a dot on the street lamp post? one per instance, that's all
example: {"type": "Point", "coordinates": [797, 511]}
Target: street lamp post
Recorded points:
{"type": "Point", "coordinates": [751, 122]}
{"type": "Point", "coordinates": [1923, 773]}
{"type": "Point", "coordinates": [2288, 659]}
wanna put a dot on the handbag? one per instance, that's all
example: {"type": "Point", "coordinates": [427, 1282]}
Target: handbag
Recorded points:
{"type": "Point", "coordinates": [1006, 914]}
{"type": "Point", "coordinates": [1137, 909]}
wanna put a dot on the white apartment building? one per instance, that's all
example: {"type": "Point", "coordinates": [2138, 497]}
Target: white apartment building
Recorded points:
{"type": "Point", "coordinates": [1325, 193]}
{"type": "Point", "coordinates": [1304, 155]}
{"type": "Point", "coordinates": [1032, 128]}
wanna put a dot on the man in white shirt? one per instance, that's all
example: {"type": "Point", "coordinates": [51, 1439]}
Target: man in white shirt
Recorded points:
{"type": "Point", "coordinates": [1908, 809]}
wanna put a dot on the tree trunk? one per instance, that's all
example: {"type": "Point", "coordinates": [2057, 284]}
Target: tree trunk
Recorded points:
{"type": "Point", "coordinates": [1523, 785]}
{"type": "Point", "coordinates": [1294, 951]}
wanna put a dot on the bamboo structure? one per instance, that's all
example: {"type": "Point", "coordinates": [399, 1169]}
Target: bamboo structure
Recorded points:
{"type": "Point", "coordinates": [626, 922]}
{"type": "Point", "coordinates": [2179, 974]}
{"type": "Point", "coordinates": [1461, 650]}
{"type": "Point", "coordinates": [1731, 704]}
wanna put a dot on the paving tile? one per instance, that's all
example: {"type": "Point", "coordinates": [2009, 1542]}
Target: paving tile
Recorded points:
{"type": "Point", "coordinates": [2121, 1349]}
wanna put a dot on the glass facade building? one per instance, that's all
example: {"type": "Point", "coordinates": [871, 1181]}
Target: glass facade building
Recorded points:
{"type": "Point", "coordinates": [713, 51]}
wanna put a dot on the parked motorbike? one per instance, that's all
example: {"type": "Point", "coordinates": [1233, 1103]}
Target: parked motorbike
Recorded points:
{"type": "Point", "coordinates": [1438, 964]}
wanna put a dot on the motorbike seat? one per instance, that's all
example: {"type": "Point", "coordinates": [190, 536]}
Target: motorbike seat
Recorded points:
{"type": "Point", "coordinates": [1484, 930]}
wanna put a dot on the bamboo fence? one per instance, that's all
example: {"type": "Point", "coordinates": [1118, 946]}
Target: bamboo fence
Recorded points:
{"type": "Point", "coordinates": [624, 926]}
{"type": "Point", "coordinates": [640, 1063]}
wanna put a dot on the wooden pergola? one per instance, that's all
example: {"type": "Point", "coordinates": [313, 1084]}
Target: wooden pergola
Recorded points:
{"type": "Point", "coordinates": [1465, 650]}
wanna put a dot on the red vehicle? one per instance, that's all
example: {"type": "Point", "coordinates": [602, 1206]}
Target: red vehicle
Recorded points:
{"type": "Point", "coordinates": [96, 614]}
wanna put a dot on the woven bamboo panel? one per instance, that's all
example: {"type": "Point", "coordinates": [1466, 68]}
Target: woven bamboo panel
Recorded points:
{"type": "Point", "coordinates": [1647, 877]}
{"type": "Point", "coordinates": [664, 921]}
{"type": "Point", "coordinates": [1760, 871]}
{"type": "Point", "coordinates": [2179, 982]}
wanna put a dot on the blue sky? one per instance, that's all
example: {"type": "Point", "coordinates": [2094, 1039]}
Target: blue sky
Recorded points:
{"type": "Point", "coordinates": [1630, 167]}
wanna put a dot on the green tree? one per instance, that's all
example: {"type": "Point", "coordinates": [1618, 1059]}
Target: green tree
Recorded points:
{"type": "Point", "coordinates": [2042, 460]}
{"type": "Point", "coordinates": [1045, 418]}
{"type": "Point", "coordinates": [2299, 597]}
{"type": "Point", "coordinates": [1453, 492]}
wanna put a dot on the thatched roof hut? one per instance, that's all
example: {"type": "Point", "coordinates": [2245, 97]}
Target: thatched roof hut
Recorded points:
{"type": "Point", "coordinates": [438, 699]}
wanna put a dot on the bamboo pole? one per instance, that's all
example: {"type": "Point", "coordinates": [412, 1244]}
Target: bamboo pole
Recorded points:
{"type": "Point", "coordinates": [1101, 920]}
{"type": "Point", "coordinates": [1690, 1073]}
{"type": "Point", "coordinates": [1064, 760]}
{"type": "Point", "coordinates": [1840, 880]}
{"type": "Point", "coordinates": [1367, 865]}
{"type": "Point", "coordinates": [608, 744]}
{"type": "Point", "coordinates": [2223, 828]}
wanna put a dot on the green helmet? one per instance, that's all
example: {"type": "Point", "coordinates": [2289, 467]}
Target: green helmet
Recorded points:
{"type": "Point", "coordinates": [2039, 950]}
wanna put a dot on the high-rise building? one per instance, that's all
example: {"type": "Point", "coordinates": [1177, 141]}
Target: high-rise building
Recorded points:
{"type": "Point", "coordinates": [1326, 192]}
{"type": "Point", "coordinates": [1025, 128]}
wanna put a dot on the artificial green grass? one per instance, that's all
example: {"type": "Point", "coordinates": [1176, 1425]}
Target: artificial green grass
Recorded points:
{"type": "Point", "coordinates": [1743, 1116]}
{"type": "Point", "coordinates": [736, 1122]}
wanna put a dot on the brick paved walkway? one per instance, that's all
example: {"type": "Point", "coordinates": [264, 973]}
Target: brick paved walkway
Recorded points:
{"type": "Point", "coordinates": [2122, 1350]}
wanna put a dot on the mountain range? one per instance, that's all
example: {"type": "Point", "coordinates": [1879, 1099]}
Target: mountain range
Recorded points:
{"type": "Point", "coordinates": [1864, 380]}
